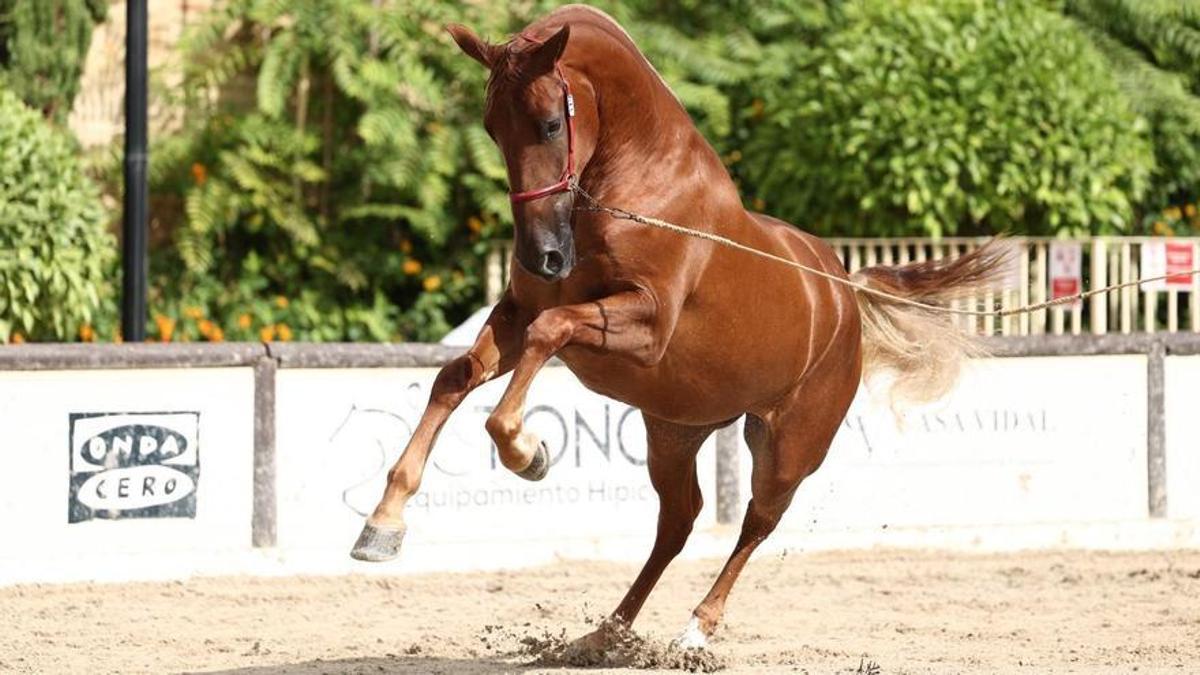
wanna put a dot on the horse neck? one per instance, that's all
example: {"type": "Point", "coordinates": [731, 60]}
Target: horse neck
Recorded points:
{"type": "Point", "coordinates": [647, 143]}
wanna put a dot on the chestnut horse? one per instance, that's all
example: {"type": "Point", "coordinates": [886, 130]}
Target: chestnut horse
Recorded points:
{"type": "Point", "coordinates": [694, 334]}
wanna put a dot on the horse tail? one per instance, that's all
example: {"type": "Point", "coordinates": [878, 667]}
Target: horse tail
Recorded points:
{"type": "Point", "coordinates": [922, 348]}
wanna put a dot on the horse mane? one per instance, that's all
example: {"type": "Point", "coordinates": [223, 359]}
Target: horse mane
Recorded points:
{"type": "Point", "coordinates": [506, 57]}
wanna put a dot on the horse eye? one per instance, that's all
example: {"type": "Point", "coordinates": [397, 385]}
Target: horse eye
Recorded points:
{"type": "Point", "coordinates": [552, 128]}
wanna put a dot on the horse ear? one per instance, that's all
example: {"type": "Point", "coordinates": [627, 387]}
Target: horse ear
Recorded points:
{"type": "Point", "coordinates": [546, 56]}
{"type": "Point", "coordinates": [471, 44]}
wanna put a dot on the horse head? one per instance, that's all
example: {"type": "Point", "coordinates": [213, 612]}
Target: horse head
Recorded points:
{"type": "Point", "coordinates": [542, 115]}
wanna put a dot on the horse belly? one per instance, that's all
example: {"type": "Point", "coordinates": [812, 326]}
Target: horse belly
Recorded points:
{"type": "Point", "coordinates": [695, 383]}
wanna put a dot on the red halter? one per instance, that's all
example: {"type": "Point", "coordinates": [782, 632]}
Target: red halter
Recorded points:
{"type": "Point", "coordinates": [568, 173]}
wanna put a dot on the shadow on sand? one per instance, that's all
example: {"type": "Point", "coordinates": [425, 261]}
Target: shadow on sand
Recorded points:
{"type": "Point", "coordinates": [390, 664]}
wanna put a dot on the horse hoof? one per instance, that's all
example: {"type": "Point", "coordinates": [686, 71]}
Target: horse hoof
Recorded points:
{"type": "Point", "coordinates": [693, 636]}
{"type": "Point", "coordinates": [539, 466]}
{"type": "Point", "coordinates": [377, 544]}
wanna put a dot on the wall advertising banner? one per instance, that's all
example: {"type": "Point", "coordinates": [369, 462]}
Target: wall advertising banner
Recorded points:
{"type": "Point", "coordinates": [111, 468]}
{"type": "Point", "coordinates": [1019, 441]}
{"type": "Point", "coordinates": [339, 431]}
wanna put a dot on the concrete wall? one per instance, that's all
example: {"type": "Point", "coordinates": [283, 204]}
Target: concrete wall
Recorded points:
{"type": "Point", "coordinates": [105, 465]}
{"type": "Point", "coordinates": [152, 461]}
{"type": "Point", "coordinates": [1182, 435]}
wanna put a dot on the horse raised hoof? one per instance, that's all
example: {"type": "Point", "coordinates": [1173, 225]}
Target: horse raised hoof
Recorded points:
{"type": "Point", "coordinates": [377, 544]}
{"type": "Point", "coordinates": [539, 466]}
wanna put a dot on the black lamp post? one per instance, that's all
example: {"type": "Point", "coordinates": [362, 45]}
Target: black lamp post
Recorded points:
{"type": "Point", "coordinates": [135, 226]}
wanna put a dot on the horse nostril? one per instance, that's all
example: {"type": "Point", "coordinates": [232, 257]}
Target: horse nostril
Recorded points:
{"type": "Point", "coordinates": [552, 263]}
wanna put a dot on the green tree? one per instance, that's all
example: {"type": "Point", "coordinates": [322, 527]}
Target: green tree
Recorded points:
{"type": "Point", "coordinates": [54, 246]}
{"type": "Point", "coordinates": [1153, 46]}
{"type": "Point", "coordinates": [43, 44]}
{"type": "Point", "coordinates": [333, 156]}
{"type": "Point", "coordinates": [953, 116]}
{"type": "Point", "coordinates": [330, 178]}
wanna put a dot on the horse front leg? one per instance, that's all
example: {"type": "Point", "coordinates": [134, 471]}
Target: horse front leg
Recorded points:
{"type": "Point", "coordinates": [621, 324]}
{"type": "Point", "coordinates": [492, 355]}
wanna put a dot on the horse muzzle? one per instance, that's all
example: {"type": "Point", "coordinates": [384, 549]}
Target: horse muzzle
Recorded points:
{"type": "Point", "coordinates": [551, 264]}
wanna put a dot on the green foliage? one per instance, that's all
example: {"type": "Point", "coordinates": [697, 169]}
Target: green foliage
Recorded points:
{"type": "Point", "coordinates": [349, 172]}
{"type": "Point", "coordinates": [54, 249]}
{"type": "Point", "coordinates": [954, 116]}
{"type": "Point", "coordinates": [333, 153]}
{"type": "Point", "coordinates": [330, 179]}
{"type": "Point", "coordinates": [1153, 46]}
{"type": "Point", "coordinates": [43, 44]}
{"type": "Point", "coordinates": [719, 57]}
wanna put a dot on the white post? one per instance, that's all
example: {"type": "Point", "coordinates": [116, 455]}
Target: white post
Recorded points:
{"type": "Point", "coordinates": [493, 284]}
{"type": "Point", "coordinates": [1039, 287]}
{"type": "Point", "coordinates": [1099, 275]}
{"type": "Point", "coordinates": [1194, 300]}
{"type": "Point", "coordinates": [1023, 289]}
{"type": "Point", "coordinates": [1128, 292]}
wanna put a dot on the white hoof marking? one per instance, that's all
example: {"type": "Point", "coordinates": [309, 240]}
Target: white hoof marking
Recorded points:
{"type": "Point", "coordinates": [692, 637]}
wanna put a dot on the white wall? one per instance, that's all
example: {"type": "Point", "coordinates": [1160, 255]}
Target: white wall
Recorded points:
{"type": "Point", "coordinates": [1021, 441]}
{"type": "Point", "coordinates": [39, 542]}
{"type": "Point", "coordinates": [340, 430]}
{"type": "Point", "coordinates": [1182, 396]}
{"type": "Point", "coordinates": [1027, 452]}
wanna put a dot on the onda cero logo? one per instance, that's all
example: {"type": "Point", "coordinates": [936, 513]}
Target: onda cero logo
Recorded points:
{"type": "Point", "coordinates": [134, 465]}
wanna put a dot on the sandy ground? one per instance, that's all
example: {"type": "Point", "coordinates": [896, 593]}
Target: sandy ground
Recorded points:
{"type": "Point", "coordinates": [862, 612]}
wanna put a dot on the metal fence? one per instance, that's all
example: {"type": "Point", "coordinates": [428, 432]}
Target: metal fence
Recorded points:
{"type": "Point", "coordinates": [1105, 260]}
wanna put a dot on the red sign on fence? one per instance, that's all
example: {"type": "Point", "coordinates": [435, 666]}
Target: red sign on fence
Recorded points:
{"type": "Point", "coordinates": [1168, 257]}
{"type": "Point", "coordinates": [1066, 267]}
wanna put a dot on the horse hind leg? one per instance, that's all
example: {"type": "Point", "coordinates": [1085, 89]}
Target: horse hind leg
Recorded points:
{"type": "Point", "coordinates": [786, 446]}
{"type": "Point", "coordinates": [671, 462]}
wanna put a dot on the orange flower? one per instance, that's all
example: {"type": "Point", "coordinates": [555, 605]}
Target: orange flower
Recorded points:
{"type": "Point", "coordinates": [266, 333]}
{"type": "Point", "coordinates": [193, 313]}
{"type": "Point", "coordinates": [412, 267]}
{"type": "Point", "coordinates": [166, 327]}
{"type": "Point", "coordinates": [1190, 210]}
{"type": "Point", "coordinates": [244, 321]}
{"type": "Point", "coordinates": [17, 338]}
{"type": "Point", "coordinates": [281, 302]}
{"type": "Point", "coordinates": [432, 283]}
{"type": "Point", "coordinates": [285, 333]}
{"type": "Point", "coordinates": [206, 327]}
{"type": "Point", "coordinates": [117, 337]}
{"type": "Point", "coordinates": [1172, 212]}
{"type": "Point", "coordinates": [199, 173]}
{"type": "Point", "coordinates": [87, 333]}
{"type": "Point", "coordinates": [474, 224]}
{"type": "Point", "coordinates": [217, 335]}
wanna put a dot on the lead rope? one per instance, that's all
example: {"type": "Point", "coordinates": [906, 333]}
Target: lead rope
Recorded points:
{"type": "Point", "coordinates": [622, 214]}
